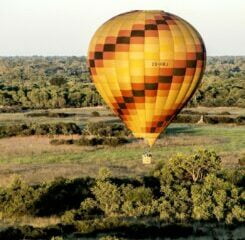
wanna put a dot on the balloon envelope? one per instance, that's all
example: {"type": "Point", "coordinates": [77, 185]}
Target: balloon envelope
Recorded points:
{"type": "Point", "coordinates": [146, 65]}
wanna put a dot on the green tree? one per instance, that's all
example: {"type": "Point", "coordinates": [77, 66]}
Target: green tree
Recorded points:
{"type": "Point", "coordinates": [217, 199]}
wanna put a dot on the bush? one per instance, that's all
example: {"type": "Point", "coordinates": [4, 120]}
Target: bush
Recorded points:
{"type": "Point", "coordinates": [49, 114]}
{"type": "Point", "coordinates": [138, 202]}
{"type": "Point", "coordinates": [102, 129]}
{"type": "Point", "coordinates": [61, 141]}
{"type": "Point", "coordinates": [95, 114]}
{"type": "Point", "coordinates": [108, 196]}
{"type": "Point", "coordinates": [85, 141]}
{"type": "Point", "coordinates": [62, 195]}
{"type": "Point", "coordinates": [19, 198]}
{"type": "Point", "coordinates": [217, 199]}
{"type": "Point", "coordinates": [191, 168]}
{"type": "Point", "coordinates": [89, 209]}
{"type": "Point", "coordinates": [195, 188]}
{"type": "Point", "coordinates": [44, 200]}
{"type": "Point", "coordinates": [39, 129]}
{"type": "Point", "coordinates": [219, 119]}
{"type": "Point", "coordinates": [240, 120]}
{"type": "Point", "coordinates": [116, 199]}
{"type": "Point", "coordinates": [191, 112]}
{"type": "Point", "coordinates": [184, 118]}
{"type": "Point", "coordinates": [186, 188]}
{"type": "Point", "coordinates": [224, 113]}
{"type": "Point", "coordinates": [11, 233]}
{"type": "Point", "coordinates": [115, 141]}
{"type": "Point", "coordinates": [177, 176]}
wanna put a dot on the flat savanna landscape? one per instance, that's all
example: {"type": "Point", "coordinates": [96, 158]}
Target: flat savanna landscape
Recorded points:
{"type": "Point", "coordinates": [35, 160]}
{"type": "Point", "coordinates": [70, 169]}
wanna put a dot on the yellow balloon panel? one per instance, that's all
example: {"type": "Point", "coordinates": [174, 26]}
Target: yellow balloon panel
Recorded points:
{"type": "Point", "coordinates": [146, 65]}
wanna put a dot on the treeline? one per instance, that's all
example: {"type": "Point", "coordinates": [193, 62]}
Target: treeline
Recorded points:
{"type": "Point", "coordinates": [223, 83]}
{"type": "Point", "coordinates": [57, 82]}
{"type": "Point", "coordinates": [46, 82]}
{"type": "Point", "coordinates": [186, 189]}
{"type": "Point", "coordinates": [29, 129]}
{"type": "Point", "coordinates": [96, 129]}
{"type": "Point", "coordinates": [49, 96]}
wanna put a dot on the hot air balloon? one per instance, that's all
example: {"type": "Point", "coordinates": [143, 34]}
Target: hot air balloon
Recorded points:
{"type": "Point", "coordinates": [146, 65]}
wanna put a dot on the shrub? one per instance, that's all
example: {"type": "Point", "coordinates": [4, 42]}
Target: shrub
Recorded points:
{"type": "Point", "coordinates": [89, 209]}
{"type": "Point", "coordinates": [94, 141]}
{"type": "Point", "coordinates": [43, 200]}
{"type": "Point", "coordinates": [95, 114]}
{"type": "Point", "coordinates": [108, 196]}
{"type": "Point", "coordinates": [39, 129]}
{"type": "Point", "coordinates": [184, 118]}
{"type": "Point", "coordinates": [60, 115]}
{"type": "Point", "coordinates": [177, 176]}
{"type": "Point", "coordinates": [115, 141]}
{"type": "Point", "coordinates": [37, 114]}
{"type": "Point", "coordinates": [218, 119]}
{"type": "Point", "coordinates": [102, 129]}
{"type": "Point", "coordinates": [62, 195]}
{"type": "Point", "coordinates": [225, 113]}
{"type": "Point", "coordinates": [122, 199]}
{"type": "Point", "coordinates": [100, 225]}
{"type": "Point", "coordinates": [138, 202]}
{"type": "Point", "coordinates": [191, 112]}
{"type": "Point", "coordinates": [192, 167]}
{"type": "Point", "coordinates": [19, 198]}
{"type": "Point", "coordinates": [61, 141]}
{"type": "Point", "coordinates": [186, 188]}
{"type": "Point", "coordinates": [86, 141]}
{"type": "Point", "coordinates": [240, 120]}
{"type": "Point", "coordinates": [56, 141]}
{"type": "Point", "coordinates": [217, 199]}
{"type": "Point", "coordinates": [13, 130]}
{"type": "Point", "coordinates": [11, 233]}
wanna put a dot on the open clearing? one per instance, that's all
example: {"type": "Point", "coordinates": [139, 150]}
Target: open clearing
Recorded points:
{"type": "Point", "coordinates": [36, 160]}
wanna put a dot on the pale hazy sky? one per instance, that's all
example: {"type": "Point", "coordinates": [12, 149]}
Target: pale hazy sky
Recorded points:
{"type": "Point", "coordinates": [64, 27]}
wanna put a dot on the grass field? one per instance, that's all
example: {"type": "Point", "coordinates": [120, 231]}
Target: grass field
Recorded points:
{"type": "Point", "coordinates": [36, 160]}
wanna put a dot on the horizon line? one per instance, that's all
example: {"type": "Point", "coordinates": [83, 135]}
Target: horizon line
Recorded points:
{"type": "Point", "coordinates": [34, 55]}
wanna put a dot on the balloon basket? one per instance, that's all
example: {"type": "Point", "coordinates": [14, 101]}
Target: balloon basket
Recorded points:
{"type": "Point", "coordinates": [147, 158]}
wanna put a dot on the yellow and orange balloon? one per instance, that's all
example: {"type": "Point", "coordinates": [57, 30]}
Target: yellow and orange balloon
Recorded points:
{"type": "Point", "coordinates": [146, 65]}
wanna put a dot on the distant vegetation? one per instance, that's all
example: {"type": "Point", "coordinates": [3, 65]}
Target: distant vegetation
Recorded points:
{"type": "Point", "coordinates": [187, 195]}
{"type": "Point", "coordinates": [183, 190]}
{"type": "Point", "coordinates": [39, 129]}
{"type": "Point", "coordinates": [46, 82]}
{"type": "Point", "coordinates": [57, 82]}
{"type": "Point", "coordinates": [99, 133]}
{"type": "Point", "coordinates": [223, 83]}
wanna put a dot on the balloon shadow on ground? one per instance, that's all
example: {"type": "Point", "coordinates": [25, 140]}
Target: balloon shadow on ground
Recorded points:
{"type": "Point", "coordinates": [179, 130]}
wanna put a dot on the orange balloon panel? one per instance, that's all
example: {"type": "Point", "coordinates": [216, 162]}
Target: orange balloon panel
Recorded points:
{"type": "Point", "coordinates": [146, 65]}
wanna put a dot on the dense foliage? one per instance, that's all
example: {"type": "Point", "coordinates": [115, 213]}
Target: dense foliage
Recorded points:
{"type": "Point", "coordinates": [99, 133]}
{"type": "Point", "coordinates": [46, 82]}
{"type": "Point", "coordinates": [39, 129]}
{"type": "Point", "coordinates": [56, 82]}
{"type": "Point", "coordinates": [185, 189]}
{"type": "Point", "coordinates": [223, 83]}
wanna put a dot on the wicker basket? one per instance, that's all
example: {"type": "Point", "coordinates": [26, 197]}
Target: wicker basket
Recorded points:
{"type": "Point", "coordinates": [147, 158]}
